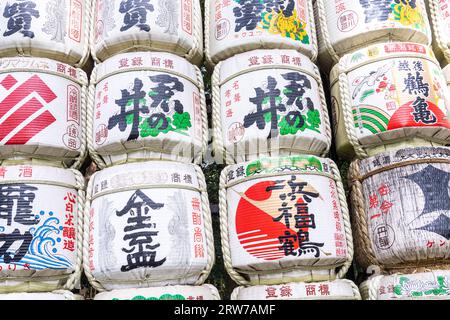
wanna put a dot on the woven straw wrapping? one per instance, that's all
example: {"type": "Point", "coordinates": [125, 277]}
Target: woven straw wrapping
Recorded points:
{"type": "Point", "coordinates": [55, 295]}
{"type": "Point", "coordinates": [227, 33]}
{"type": "Point", "coordinates": [58, 30]}
{"type": "Point", "coordinates": [204, 292]}
{"type": "Point", "coordinates": [238, 134]}
{"type": "Point", "coordinates": [186, 140]}
{"type": "Point", "coordinates": [171, 197]}
{"type": "Point", "coordinates": [426, 285]}
{"type": "Point", "coordinates": [439, 13]}
{"type": "Point", "coordinates": [169, 26]}
{"type": "Point", "coordinates": [389, 96]}
{"type": "Point", "coordinates": [341, 289]}
{"type": "Point", "coordinates": [249, 210]}
{"type": "Point", "coordinates": [401, 211]}
{"type": "Point", "coordinates": [48, 127]}
{"type": "Point", "coordinates": [50, 263]}
{"type": "Point", "coordinates": [350, 26]}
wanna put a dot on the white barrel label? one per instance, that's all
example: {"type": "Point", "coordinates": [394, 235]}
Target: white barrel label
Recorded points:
{"type": "Point", "coordinates": [35, 233]}
{"type": "Point", "coordinates": [284, 218]}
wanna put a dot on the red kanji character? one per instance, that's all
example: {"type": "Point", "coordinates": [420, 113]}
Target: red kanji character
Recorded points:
{"type": "Point", "coordinates": [229, 113]}
{"type": "Point", "coordinates": [123, 63]}
{"type": "Point", "coordinates": [199, 297]}
{"type": "Point", "coordinates": [324, 289]}
{"type": "Point", "coordinates": [69, 207]}
{"type": "Point", "coordinates": [375, 216]}
{"type": "Point", "coordinates": [136, 62]}
{"type": "Point", "coordinates": [69, 233]}
{"type": "Point", "coordinates": [390, 288]}
{"type": "Point", "coordinates": [3, 172]}
{"type": "Point", "coordinates": [237, 97]}
{"type": "Point", "coordinates": [70, 197]}
{"type": "Point", "coordinates": [196, 218]}
{"type": "Point", "coordinates": [285, 59]}
{"type": "Point", "coordinates": [69, 245]}
{"type": "Point", "coordinates": [385, 206]}
{"type": "Point", "coordinates": [267, 59]}
{"type": "Point", "coordinates": [26, 266]}
{"type": "Point", "coordinates": [441, 243]}
{"type": "Point", "coordinates": [382, 290]}
{"type": "Point", "coordinates": [199, 251]}
{"type": "Point", "coordinates": [236, 85]}
{"type": "Point", "coordinates": [373, 200]}
{"type": "Point", "coordinates": [61, 68]}
{"type": "Point", "coordinates": [384, 190]}
{"type": "Point", "coordinates": [196, 204]}
{"type": "Point", "coordinates": [228, 94]}
{"type": "Point", "coordinates": [26, 171]}
{"type": "Point", "coordinates": [14, 266]}
{"type": "Point", "coordinates": [286, 291]}
{"type": "Point", "coordinates": [271, 292]}
{"type": "Point", "coordinates": [168, 63]}
{"type": "Point", "coordinates": [310, 290]}
{"type": "Point", "coordinates": [430, 244]}
{"type": "Point", "coordinates": [198, 237]}
{"type": "Point", "coordinates": [190, 298]}
{"type": "Point", "coordinates": [254, 61]}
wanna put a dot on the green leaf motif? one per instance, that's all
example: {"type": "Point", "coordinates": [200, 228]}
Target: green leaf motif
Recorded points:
{"type": "Point", "coordinates": [182, 121]}
{"type": "Point", "coordinates": [366, 94]}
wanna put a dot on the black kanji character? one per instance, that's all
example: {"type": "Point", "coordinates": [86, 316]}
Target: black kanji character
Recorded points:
{"type": "Point", "coordinates": [376, 9]}
{"type": "Point", "coordinates": [164, 91]}
{"type": "Point", "coordinates": [141, 252]}
{"type": "Point", "coordinates": [248, 14]}
{"type": "Point", "coordinates": [287, 242]}
{"type": "Point", "coordinates": [135, 14]}
{"type": "Point", "coordinates": [135, 100]}
{"type": "Point", "coordinates": [8, 240]}
{"type": "Point", "coordinates": [422, 113]}
{"type": "Point", "coordinates": [22, 196]}
{"type": "Point", "coordinates": [297, 189]}
{"type": "Point", "coordinates": [258, 117]}
{"type": "Point", "coordinates": [415, 84]}
{"type": "Point", "coordinates": [20, 15]}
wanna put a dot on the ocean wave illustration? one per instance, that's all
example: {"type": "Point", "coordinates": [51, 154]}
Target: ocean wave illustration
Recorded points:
{"type": "Point", "coordinates": [42, 253]}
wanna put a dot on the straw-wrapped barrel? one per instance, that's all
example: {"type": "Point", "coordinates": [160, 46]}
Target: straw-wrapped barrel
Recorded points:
{"type": "Point", "coordinates": [165, 25]}
{"type": "Point", "coordinates": [284, 220]}
{"type": "Point", "coordinates": [431, 285]}
{"type": "Point", "coordinates": [269, 103]}
{"type": "Point", "coordinates": [329, 290]}
{"type": "Point", "coordinates": [55, 29]}
{"type": "Point", "coordinates": [401, 208]}
{"type": "Point", "coordinates": [146, 105]}
{"type": "Point", "coordinates": [237, 26]}
{"type": "Point", "coordinates": [148, 224]}
{"type": "Point", "coordinates": [41, 212]}
{"type": "Point", "coordinates": [204, 292]}
{"type": "Point", "coordinates": [388, 95]}
{"type": "Point", "coordinates": [43, 111]}
{"type": "Point", "coordinates": [348, 25]}
{"type": "Point", "coordinates": [439, 11]}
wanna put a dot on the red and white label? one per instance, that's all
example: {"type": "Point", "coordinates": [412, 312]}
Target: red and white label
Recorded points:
{"type": "Point", "coordinates": [186, 15]}
{"type": "Point", "coordinates": [75, 20]}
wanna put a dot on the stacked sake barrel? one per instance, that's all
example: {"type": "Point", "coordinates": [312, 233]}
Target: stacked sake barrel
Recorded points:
{"type": "Point", "coordinates": [285, 226]}
{"type": "Point", "coordinates": [390, 110]}
{"type": "Point", "coordinates": [42, 143]}
{"type": "Point", "coordinates": [147, 230]}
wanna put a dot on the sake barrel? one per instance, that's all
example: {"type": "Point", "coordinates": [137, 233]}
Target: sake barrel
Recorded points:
{"type": "Point", "coordinates": [269, 103]}
{"type": "Point", "coordinates": [327, 290]}
{"type": "Point", "coordinates": [387, 95]}
{"type": "Point", "coordinates": [348, 25]}
{"type": "Point", "coordinates": [418, 286]}
{"type": "Point", "coordinates": [148, 225]}
{"type": "Point", "coordinates": [237, 26]}
{"type": "Point", "coordinates": [40, 221]}
{"type": "Point", "coordinates": [33, 296]}
{"type": "Point", "coordinates": [284, 220]}
{"type": "Point", "coordinates": [447, 75]}
{"type": "Point", "coordinates": [401, 208]}
{"type": "Point", "coordinates": [55, 29]}
{"type": "Point", "coordinates": [146, 106]}
{"type": "Point", "coordinates": [42, 111]}
{"type": "Point", "coordinates": [439, 12]}
{"type": "Point", "coordinates": [204, 292]}
{"type": "Point", "coordinates": [148, 25]}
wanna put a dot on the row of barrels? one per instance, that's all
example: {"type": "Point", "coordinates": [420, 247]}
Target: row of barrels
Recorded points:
{"type": "Point", "coordinates": [285, 224]}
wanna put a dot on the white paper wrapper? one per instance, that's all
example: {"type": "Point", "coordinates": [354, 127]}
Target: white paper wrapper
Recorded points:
{"type": "Point", "coordinates": [147, 106]}
{"type": "Point", "coordinates": [43, 111]}
{"type": "Point", "coordinates": [329, 290]}
{"type": "Point", "coordinates": [447, 75]}
{"type": "Point", "coordinates": [148, 225]}
{"type": "Point", "coordinates": [55, 29]}
{"type": "Point", "coordinates": [284, 220]}
{"type": "Point", "coordinates": [204, 292]}
{"type": "Point", "coordinates": [433, 285]}
{"type": "Point", "coordinates": [439, 13]}
{"type": "Point", "coordinates": [159, 25]}
{"type": "Point", "coordinates": [40, 220]}
{"type": "Point", "coordinates": [387, 94]}
{"type": "Point", "coordinates": [401, 207]}
{"type": "Point", "coordinates": [236, 26]}
{"type": "Point", "coordinates": [269, 103]}
{"type": "Point", "coordinates": [55, 295]}
{"type": "Point", "coordinates": [348, 25]}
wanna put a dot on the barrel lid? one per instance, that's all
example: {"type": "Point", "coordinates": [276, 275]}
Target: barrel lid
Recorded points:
{"type": "Point", "coordinates": [27, 64]}
{"type": "Point", "coordinates": [261, 59]}
{"type": "Point", "coordinates": [144, 174]}
{"type": "Point", "coordinates": [134, 61]}
{"type": "Point", "coordinates": [296, 164]}
{"type": "Point", "coordinates": [38, 174]}
{"type": "Point", "coordinates": [398, 157]}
